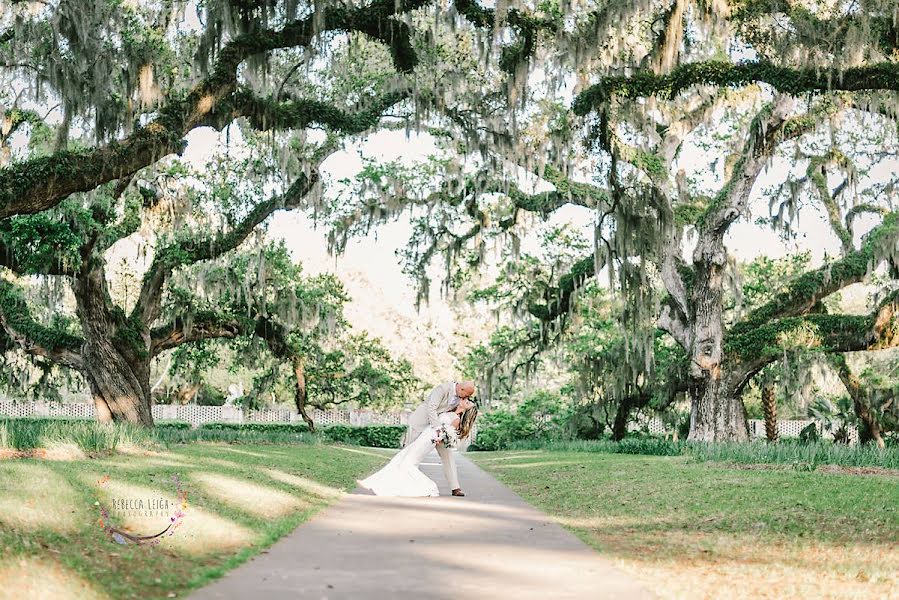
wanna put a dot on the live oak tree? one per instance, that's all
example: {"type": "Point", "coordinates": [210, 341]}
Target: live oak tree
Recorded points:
{"type": "Point", "coordinates": [724, 359]}
{"type": "Point", "coordinates": [680, 89]}
{"type": "Point", "coordinates": [131, 83]}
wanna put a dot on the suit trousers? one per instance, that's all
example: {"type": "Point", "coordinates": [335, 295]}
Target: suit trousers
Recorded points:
{"type": "Point", "coordinates": [447, 459]}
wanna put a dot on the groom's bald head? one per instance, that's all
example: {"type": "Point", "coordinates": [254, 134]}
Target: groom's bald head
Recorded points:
{"type": "Point", "coordinates": [465, 389]}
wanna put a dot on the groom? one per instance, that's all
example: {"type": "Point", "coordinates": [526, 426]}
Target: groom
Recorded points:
{"type": "Point", "coordinates": [443, 398]}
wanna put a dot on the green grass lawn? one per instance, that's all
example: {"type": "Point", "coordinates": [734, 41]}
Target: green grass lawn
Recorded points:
{"type": "Point", "coordinates": [241, 498]}
{"type": "Point", "coordinates": [707, 530]}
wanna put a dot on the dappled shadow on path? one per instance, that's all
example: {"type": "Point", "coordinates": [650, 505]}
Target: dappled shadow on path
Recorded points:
{"type": "Point", "coordinates": [489, 544]}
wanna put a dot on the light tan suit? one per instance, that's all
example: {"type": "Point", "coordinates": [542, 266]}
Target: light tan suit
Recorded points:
{"type": "Point", "coordinates": [441, 399]}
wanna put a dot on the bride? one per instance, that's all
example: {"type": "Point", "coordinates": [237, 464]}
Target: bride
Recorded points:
{"type": "Point", "coordinates": [401, 476]}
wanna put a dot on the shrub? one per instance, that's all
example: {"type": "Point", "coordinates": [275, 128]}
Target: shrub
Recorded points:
{"type": "Point", "coordinates": [209, 395]}
{"type": "Point", "coordinates": [375, 436]}
{"type": "Point", "coordinates": [261, 427]}
{"type": "Point", "coordinates": [500, 428]}
{"type": "Point", "coordinates": [584, 424]}
{"type": "Point", "coordinates": [173, 425]}
{"type": "Point", "coordinates": [541, 416]}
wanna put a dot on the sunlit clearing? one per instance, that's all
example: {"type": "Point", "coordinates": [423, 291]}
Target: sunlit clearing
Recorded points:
{"type": "Point", "coordinates": [307, 485]}
{"type": "Point", "coordinates": [39, 579]}
{"type": "Point", "coordinates": [131, 449]}
{"type": "Point", "coordinates": [251, 497]}
{"type": "Point", "coordinates": [63, 451]}
{"type": "Point", "coordinates": [35, 497]}
{"type": "Point", "coordinates": [676, 564]}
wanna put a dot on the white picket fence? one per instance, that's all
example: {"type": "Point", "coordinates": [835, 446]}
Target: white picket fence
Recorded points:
{"type": "Point", "coordinates": [785, 429]}
{"type": "Point", "coordinates": [197, 415]}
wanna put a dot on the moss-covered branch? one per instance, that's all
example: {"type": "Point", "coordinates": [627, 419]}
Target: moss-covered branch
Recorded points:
{"type": "Point", "coordinates": [265, 114]}
{"type": "Point", "coordinates": [809, 27]}
{"type": "Point", "coordinates": [557, 300]}
{"type": "Point", "coordinates": [809, 289]}
{"type": "Point", "coordinates": [767, 131]}
{"type": "Point", "coordinates": [795, 82]}
{"type": "Point", "coordinates": [209, 325]}
{"type": "Point", "coordinates": [817, 176]}
{"type": "Point", "coordinates": [195, 249]}
{"type": "Point", "coordinates": [767, 342]}
{"type": "Point", "coordinates": [32, 337]}
{"type": "Point", "coordinates": [862, 397]}
{"type": "Point", "coordinates": [527, 28]}
{"type": "Point", "coordinates": [40, 183]}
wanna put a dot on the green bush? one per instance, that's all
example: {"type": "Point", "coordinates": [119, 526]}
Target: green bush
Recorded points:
{"type": "Point", "coordinates": [375, 436]}
{"type": "Point", "coordinates": [261, 427]}
{"type": "Point", "coordinates": [174, 425]}
{"type": "Point", "coordinates": [541, 416]}
{"type": "Point", "coordinates": [499, 429]}
{"type": "Point", "coordinates": [208, 395]}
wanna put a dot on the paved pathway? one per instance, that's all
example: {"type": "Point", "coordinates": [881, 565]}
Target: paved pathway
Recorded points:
{"type": "Point", "coordinates": [488, 545]}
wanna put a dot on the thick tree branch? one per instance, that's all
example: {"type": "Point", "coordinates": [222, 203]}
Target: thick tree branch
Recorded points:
{"type": "Point", "coordinates": [881, 29]}
{"type": "Point", "coordinates": [265, 114]}
{"type": "Point", "coordinates": [671, 322]}
{"type": "Point", "coordinates": [33, 338]}
{"type": "Point", "coordinates": [41, 183]}
{"type": "Point", "coordinates": [810, 288]}
{"type": "Point", "coordinates": [196, 249]}
{"type": "Point", "coordinates": [795, 82]}
{"type": "Point", "coordinates": [756, 347]}
{"type": "Point", "coordinates": [861, 398]}
{"type": "Point", "coordinates": [208, 326]}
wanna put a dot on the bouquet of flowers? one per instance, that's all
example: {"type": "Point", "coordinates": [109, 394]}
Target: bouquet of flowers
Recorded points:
{"type": "Point", "coordinates": [448, 435]}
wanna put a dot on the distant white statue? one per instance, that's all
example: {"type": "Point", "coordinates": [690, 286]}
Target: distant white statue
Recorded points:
{"type": "Point", "coordinates": [235, 391]}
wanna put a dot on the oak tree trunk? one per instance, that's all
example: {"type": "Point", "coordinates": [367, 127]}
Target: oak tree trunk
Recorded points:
{"type": "Point", "coordinates": [717, 413]}
{"type": "Point", "coordinates": [299, 371]}
{"type": "Point", "coordinates": [769, 407]}
{"type": "Point", "coordinates": [622, 415]}
{"type": "Point", "coordinates": [119, 392]}
{"type": "Point", "coordinates": [116, 363]}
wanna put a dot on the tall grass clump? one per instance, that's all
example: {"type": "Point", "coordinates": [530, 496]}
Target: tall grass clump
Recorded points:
{"type": "Point", "coordinates": [89, 436]}
{"type": "Point", "coordinates": [802, 456]}
{"type": "Point", "coordinates": [797, 454]}
{"type": "Point", "coordinates": [639, 445]}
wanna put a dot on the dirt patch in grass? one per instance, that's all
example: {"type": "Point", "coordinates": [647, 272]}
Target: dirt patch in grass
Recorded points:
{"type": "Point", "coordinates": [836, 469]}
{"type": "Point", "coordinates": [857, 470]}
{"type": "Point", "coordinates": [71, 454]}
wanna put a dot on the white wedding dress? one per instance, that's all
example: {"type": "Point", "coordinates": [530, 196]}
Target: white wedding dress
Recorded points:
{"type": "Point", "coordinates": [401, 476]}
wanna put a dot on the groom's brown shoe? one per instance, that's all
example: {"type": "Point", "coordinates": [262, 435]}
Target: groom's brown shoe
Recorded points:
{"type": "Point", "coordinates": [458, 492]}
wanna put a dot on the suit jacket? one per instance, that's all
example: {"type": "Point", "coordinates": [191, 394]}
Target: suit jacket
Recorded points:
{"type": "Point", "coordinates": [441, 399]}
